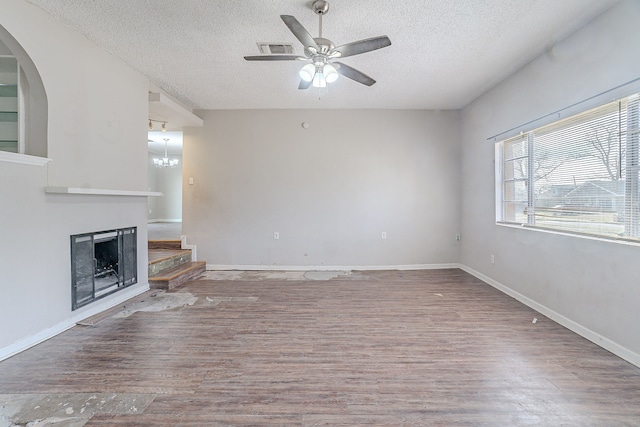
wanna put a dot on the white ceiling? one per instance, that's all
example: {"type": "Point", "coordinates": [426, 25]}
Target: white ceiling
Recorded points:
{"type": "Point", "coordinates": [444, 53]}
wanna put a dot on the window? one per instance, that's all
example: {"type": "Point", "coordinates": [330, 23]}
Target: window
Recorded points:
{"type": "Point", "coordinates": [577, 175]}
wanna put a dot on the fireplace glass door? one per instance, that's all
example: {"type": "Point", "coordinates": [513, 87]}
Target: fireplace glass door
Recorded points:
{"type": "Point", "coordinates": [102, 263]}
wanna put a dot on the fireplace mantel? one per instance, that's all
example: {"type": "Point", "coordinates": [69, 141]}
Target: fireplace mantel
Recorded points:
{"type": "Point", "coordinates": [101, 192]}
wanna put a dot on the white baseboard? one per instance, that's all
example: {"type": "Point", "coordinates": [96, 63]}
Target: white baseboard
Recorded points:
{"type": "Point", "coordinates": [69, 323]}
{"type": "Point", "coordinates": [224, 267]}
{"type": "Point", "coordinates": [584, 332]}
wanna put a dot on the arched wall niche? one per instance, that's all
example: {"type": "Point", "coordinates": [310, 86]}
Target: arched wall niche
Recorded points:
{"type": "Point", "coordinates": [35, 108]}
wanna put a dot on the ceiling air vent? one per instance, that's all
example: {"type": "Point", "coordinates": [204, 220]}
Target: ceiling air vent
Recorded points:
{"type": "Point", "coordinates": [275, 48]}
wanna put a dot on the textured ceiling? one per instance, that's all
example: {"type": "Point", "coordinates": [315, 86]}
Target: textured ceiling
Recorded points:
{"type": "Point", "coordinates": [444, 53]}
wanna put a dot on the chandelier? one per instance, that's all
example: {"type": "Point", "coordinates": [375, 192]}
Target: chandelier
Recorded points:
{"type": "Point", "coordinates": [165, 162]}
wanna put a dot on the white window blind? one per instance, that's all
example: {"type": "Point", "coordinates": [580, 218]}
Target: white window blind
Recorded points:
{"type": "Point", "coordinates": [579, 174]}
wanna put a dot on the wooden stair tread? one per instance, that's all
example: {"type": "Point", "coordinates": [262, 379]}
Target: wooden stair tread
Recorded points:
{"type": "Point", "coordinates": [176, 271]}
{"type": "Point", "coordinates": [164, 244]}
{"type": "Point", "coordinates": [170, 265]}
{"type": "Point", "coordinates": [157, 255]}
{"type": "Point", "coordinates": [176, 276]}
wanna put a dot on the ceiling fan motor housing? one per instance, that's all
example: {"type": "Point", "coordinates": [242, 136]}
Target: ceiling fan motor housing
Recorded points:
{"type": "Point", "coordinates": [320, 7]}
{"type": "Point", "coordinates": [324, 45]}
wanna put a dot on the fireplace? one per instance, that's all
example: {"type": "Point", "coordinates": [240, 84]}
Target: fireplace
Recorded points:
{"type": "Point", "coordinates": [102, 263]}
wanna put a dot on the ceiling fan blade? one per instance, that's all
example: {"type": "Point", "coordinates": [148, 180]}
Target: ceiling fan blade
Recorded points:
{"type": "Point", "coordinates": [299, 31]}
{"type": "Point", "coordinates": [304, 84]}
{"type": "Point", "coordinates": [361, 46]}
{"type": "Point", "coordinates": [354, 74]}
{"type": "Point", "coordinates": [274, 58]}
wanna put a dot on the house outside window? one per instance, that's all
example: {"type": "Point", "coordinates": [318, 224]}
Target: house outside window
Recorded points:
{"type": "Point", "coordinates": [576, 175]}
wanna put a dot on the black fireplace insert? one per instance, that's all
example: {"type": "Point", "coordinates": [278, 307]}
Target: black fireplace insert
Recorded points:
{"type": "Point", "coordinates": [102, 263]}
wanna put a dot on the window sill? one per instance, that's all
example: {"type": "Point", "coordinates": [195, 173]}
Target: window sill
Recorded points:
{"type": "Point", "coordinates": [628, 242]}
{"type": "Point", "coordinates": [100, 192]}
{"type": "Point", "coordinates": [24, 159]}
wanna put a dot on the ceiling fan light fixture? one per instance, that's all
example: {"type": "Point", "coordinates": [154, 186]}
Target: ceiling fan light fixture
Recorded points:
{"type": "Point", "coordinates": [319, 80]}
{"type": "Point", "coordinates": [330, 73]}
{"type": "Point", "coordinates": [307, 72]}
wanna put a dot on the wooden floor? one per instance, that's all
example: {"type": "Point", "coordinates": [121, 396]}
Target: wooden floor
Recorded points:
{"type": "Point", "coordinates": [375, 348]}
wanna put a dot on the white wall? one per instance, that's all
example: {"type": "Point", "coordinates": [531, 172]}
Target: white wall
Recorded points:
{"type": "Point", "coordinates": [168, 181]}
{"type": "Point", "coordinates": [96, 138]}
{"type": "Point", "coordinates": [589, 285]}
{"type": "Point", "coordinates": [152, 183]}
{"type": "Point", "coordinates": [4, 50]}
{"type": "Point", "coordinates": [329, 190]}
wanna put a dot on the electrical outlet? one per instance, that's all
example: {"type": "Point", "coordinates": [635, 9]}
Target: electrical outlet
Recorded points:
{"type": "Point", "coordinates": [493, 259]}
{"type": "Point", "coordinates": [276, 235]}
{"type": "Point", "coordinates": [383, 235]}
{"type": "Point", "coordinates": [457, 237]}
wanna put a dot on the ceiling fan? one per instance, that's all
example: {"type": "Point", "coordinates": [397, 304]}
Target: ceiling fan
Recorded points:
{"type": "Point", "coordinates": [321, 53]}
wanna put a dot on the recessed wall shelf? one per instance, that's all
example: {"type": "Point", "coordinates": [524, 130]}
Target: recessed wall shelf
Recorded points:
{"type": "Point", "coordinates": [100, 192]}
{"type": "Point", "coordinates": [9, 105]}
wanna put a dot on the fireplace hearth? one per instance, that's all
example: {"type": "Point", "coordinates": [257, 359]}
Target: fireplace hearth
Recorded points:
{"type": "Point", "coordinates": [102, 263]}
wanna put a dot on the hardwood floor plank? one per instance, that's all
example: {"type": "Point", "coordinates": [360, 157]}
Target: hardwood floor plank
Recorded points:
{"type": "Point", "coordinates": [383, 348]}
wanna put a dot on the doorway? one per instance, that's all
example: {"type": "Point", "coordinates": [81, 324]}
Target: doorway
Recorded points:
{"type": "Point", "coordinates": [165, 176]}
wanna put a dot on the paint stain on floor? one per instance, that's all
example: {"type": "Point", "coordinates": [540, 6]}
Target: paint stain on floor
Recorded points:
{"type": "Point", "coordinates": [159, 301]}
{"type": "Point", "coordinates": [67, 410]}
